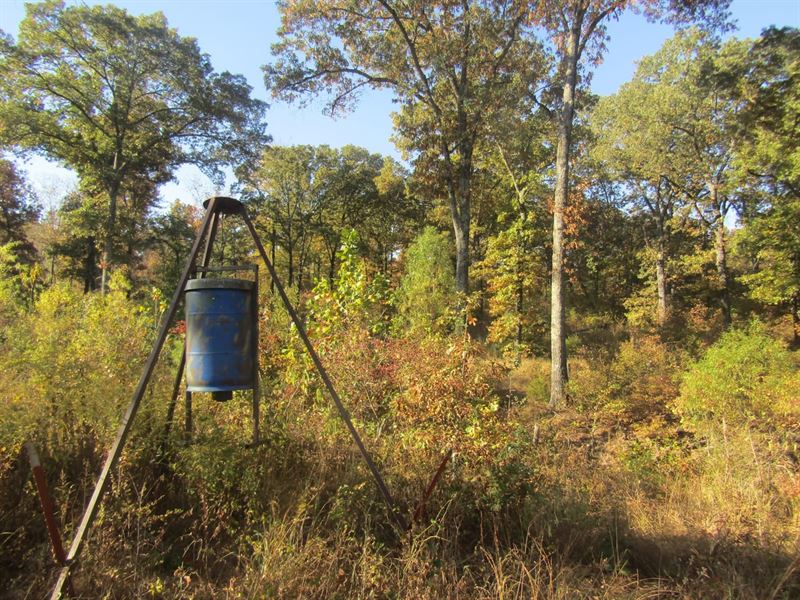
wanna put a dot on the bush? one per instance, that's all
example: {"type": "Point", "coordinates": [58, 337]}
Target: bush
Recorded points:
{"type": "Point", "coordinates": [746, 375]}
{"type": "Point", "coordinates": [355, 299]}
{"type": "Point", "coordinates": [67, 369]}
{"type": "Point", "coordinates": [70, 366]}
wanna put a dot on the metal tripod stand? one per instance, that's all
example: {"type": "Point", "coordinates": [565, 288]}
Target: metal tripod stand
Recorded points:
{"type": "Point", "coordinates": [215, 208]}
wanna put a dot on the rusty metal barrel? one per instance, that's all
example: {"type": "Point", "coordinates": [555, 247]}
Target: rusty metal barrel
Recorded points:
{"type": "Point", "coordinates": [220, 336]}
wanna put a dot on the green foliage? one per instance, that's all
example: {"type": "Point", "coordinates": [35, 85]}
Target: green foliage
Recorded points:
{"type": "Point", "coordinates": [772, 239]}
{"type": "Point", "coordinates": [746, 377]}
{"type": "Point", "coordinates": [356, 298]}
{"type": "Point", "coordinates": [9, 285]}
{"type": "Point", "coordinates": [303, 197]}
{"type": "Point", "coordinates": [123, 100]}
{"type": "Point", "coordinates": [668, 138]}
{"type": "Point", "coordinates": [18, 208]}
{"type": "Point", "coordinates": [513, 273]}
{"type": "Point", "coordinates": [425, 296]}
{"type": "Point", "coordinates": [20, 283]}
{"type": "Point", "coordinates": [324, 50]}
{"type": "Point", "coordinates": [67, 367]}
{"type": "Point", "coordinates": [172, 234]}
{"type": "Point", "coordinates": [770, 86]}
{"type": "Point", "coordinates": [78, 238]}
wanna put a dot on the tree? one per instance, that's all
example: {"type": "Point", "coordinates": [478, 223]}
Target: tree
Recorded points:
{"type": "Point", "coordinates": [514, 163]}
{"type": "Point", "coordinates": [768, 161]}
{"type": "Point", "coordinates": [577, 31]}
{"type": "Point", "coordinates": [675, 124]}
{"type": "Point", "coordinates": [603, 264]}
{"type": "Point", "coordinates": [171, 236]}
{"type": "Point", "coordinates": [694, 78]}
{"type": "Point", "coordinates": [770, 86]}
{"type": "Point", "coordinates": [773, 239]}
{"type": "Point", "coordinates": [117, 97]}
{"type": "Point", "coordinates": [631, 143]}
{"type": "Point", "coordinates": [80, 223]}
{"type": "Point", "coordinates": [286, 193]}
{"type": "Point", "coordinates": [304, 197]}
{"type": "Point", "coordinates": [424, 297]}
{"type": "Point", "coordinates": [351, 201]}
{"type": "Point", "coordinates": [451, 66]}
{"type": "Point", "coordinates": [397, 216]}
{"type": "Point", "coordinates": [18, 207]}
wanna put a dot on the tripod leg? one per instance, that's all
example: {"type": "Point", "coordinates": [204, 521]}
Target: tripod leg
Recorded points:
{"type": "Point", "coordinates": [256, 417]}
{"type": "Point", "coordinates": [323, 373]}
{"type": "Point", "coordinates": [176, 388]}
{"type": "Point", "coordinates": [127, 421]}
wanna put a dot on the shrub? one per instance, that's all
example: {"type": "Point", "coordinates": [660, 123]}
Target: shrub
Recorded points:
{"type": "Point", "coordinates": [67, 369]}
{"type": "Point", "coordinates": [70, 365]}
{"type": "Point", "coordinates": [746, 375]}
{"type": "Point", "coordinates": [356, 298]}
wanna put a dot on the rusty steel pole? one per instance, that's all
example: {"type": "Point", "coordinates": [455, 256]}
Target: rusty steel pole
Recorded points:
{"type": "Point", "coordinates": [323, 373]}
{"type": "Point", "coordinates": [420, 510]}
{"type": "Point", "coordinates": [48, 508]}
{"type": "Point", "coordinates": [127, 421]}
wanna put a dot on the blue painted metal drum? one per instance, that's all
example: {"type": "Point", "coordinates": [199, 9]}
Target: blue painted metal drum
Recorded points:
{"type": "Point", "coordinates": [220, 336]}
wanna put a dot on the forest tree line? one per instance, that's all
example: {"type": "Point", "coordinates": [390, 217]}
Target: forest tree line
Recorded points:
{"type": "Point", "coordinates": [682, 186]}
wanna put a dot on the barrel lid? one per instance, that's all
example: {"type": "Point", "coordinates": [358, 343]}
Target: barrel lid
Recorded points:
{"type": "Point", "coordinates": [218, 284]}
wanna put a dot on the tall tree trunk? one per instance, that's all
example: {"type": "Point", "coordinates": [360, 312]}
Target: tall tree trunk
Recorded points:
{"type": "Point", "coordinates": [520, 281]}
{"type": "Point", "coordinates": [520, 306]}
{"type": "Point", "coordinates": [459, 181]}
{"type": "Point", "coordinates": [290, 256]}
{"type": "Point", "coordinates": [661, 283]}
{"type": "Point", "coordinates": [332, 261]}
{"type": "Point", "coordinates": [722, 259]}
{"type": "Point", "coordinates": [723, 272]}
{"type": "Point", "coordinates": [273, 243]}
{"type": "Point", "coordinates": [796, 320]}
{"type": "Point", "coordinates": [459, 213]}
{"type": "Point", "coordinates": [558, 339]}
{"type": "Point", "coordinates": [108, 242]}
{"type": "Point", "coordinates": [89, 272]}
{"type": "Point", "coordinates": [301, 263]}
{"type": "Point", "coordinates": [331, 269]}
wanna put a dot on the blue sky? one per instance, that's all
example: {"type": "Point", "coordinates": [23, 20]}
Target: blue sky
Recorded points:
{"type": "Point", "coordinates": [237, 34]}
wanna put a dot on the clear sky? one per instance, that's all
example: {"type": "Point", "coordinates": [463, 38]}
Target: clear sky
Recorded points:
{"type": "Point", "coordinates": [237, 34]}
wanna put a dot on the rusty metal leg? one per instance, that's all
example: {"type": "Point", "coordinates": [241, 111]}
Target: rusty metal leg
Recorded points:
{"type": "Point", "coordinates": [256, 388]}
{"type": "Point", "coordinates": [48, 509]}
{"type": "Point", "coordinates": [384, 491]}
{"type": "Point", "coordinates": [127, 421]}
{"type": "Point", "coordinates": [176, 388]}
{"type": "Point", "coordinates": [420, 510]}
{"type": "Point", "coordinates": [256, 416]}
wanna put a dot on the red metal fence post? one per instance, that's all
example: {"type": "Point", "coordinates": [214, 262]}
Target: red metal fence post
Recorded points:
{"type": "Point", "coordinates": [48, 508]}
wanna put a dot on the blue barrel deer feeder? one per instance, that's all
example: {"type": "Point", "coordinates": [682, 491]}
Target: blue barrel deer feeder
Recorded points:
{"type": "Point", "coordinates": [220, 336]}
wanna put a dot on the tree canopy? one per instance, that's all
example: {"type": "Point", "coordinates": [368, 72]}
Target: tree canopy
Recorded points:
{"type": "Point", "coordinates": [453, 67]}
{"type": "Point", "coordinates": [118, 98]}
